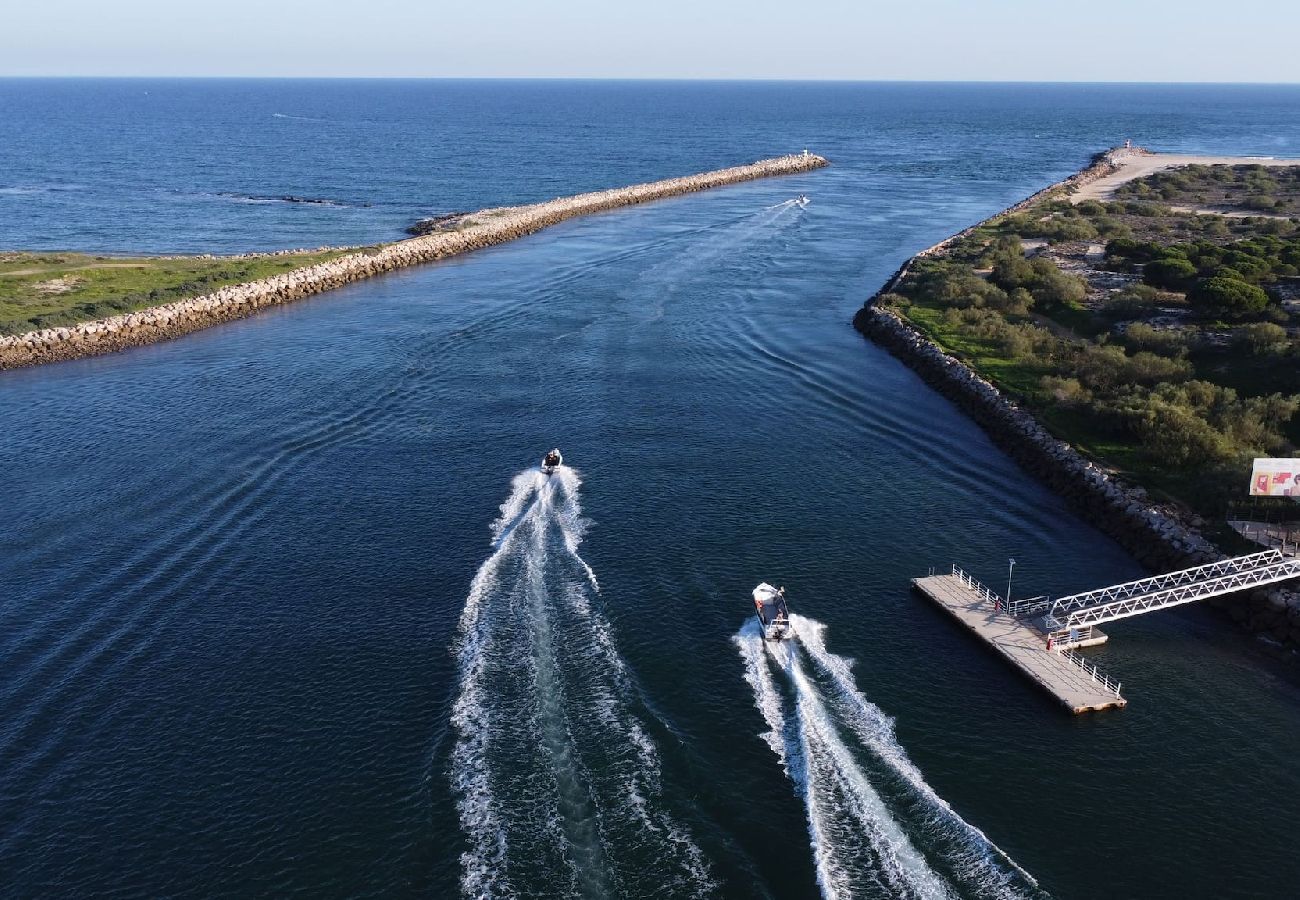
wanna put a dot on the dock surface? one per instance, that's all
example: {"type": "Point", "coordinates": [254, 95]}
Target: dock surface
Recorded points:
{"type": "Point", "coordinates": [1020, 644]}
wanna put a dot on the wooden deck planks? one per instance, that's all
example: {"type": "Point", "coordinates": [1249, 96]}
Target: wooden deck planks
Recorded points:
{"type": "Point", "coordinates": [1018, 643]}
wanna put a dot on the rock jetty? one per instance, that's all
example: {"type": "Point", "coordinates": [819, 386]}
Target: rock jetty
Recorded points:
{"type": "Point", "coordinates": [473, 232]}
{"type": "Point", "coordinates": [1161, 537]}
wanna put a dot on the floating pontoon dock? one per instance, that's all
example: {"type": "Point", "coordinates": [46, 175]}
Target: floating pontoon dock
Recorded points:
{"type": "Point", "coordinates": [1063, 674]}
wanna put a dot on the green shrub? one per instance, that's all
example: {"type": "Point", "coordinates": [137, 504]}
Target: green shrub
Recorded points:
{"type": "Point", "coordinates": [1053, 288]}
{"type": "Point", "coordinates": [1171, 273]}
{"type": "Point", "coordinates": [1172, 435]}
{"type": "Point", "coordinates": [1171, 342]}
{"type": "Point", "coordinates": [1065, 391]}
{"type": "Point", "coordinates": [1105, 368]}
{"type": "Point", "coordinates": [1229, 297]}
{"type": "Point", "coordinates": [1261, 338]}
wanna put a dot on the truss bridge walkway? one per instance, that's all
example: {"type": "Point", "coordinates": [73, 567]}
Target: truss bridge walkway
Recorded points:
{"type": "Point", "coordinates": [1039, 635]}
{"type": "Point", "coordinates": [1069, 620]}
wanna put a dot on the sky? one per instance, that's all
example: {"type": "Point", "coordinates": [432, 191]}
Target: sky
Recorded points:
{"type": "Point", "coordinates": [923, 40]}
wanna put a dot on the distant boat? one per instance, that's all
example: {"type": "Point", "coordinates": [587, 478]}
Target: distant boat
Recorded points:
{"type": "Point", "coordinates": [772, 612]}
{"type": "Point", "coordinates": [802, 200]}
{"type": "Point", "coordinates": [552, 461]}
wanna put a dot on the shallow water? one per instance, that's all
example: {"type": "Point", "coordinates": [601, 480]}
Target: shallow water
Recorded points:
{"type": "Point", "coordinates": [236, 566]}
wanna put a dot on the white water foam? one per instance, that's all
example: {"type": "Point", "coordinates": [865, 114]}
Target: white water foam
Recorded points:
{"type": "Point", "coordinates": [542, 682]}
{"type": "Point", "coordinates": [855, 833]}
{"type": "Point", "coordinates": [611, 687]}
{"type": "Point", "coordinates": [986, 864]}
{"type": "Point", "coordinates": [484, 864]}
{"type": "Point", "coordinates": [834, 788]}
{"type": "Point", "coordinates": [792, 751]}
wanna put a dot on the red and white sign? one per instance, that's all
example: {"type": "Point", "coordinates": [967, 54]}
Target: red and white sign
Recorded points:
{"type": "Point", "coordinates": [1275, 478]}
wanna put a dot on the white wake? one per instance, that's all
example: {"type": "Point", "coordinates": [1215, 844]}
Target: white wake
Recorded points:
{"type": "Point", "coordinates": [819, 726]}
{"type": "Point", "coordinates": [553, 769]}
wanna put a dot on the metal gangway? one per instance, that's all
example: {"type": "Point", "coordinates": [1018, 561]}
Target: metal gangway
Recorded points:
{"type": "Point", "coordinates": [1069, 620]}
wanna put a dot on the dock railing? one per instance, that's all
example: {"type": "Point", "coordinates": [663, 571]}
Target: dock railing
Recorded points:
{"type": "Point", "coordinates": [1064, 636]}
{"type": "Point", "coordinates": [1029, 607]}
{"type": "Point", "coordinates": [994, 599]}
{"type": "Point", "coordinates": [1090, 670]}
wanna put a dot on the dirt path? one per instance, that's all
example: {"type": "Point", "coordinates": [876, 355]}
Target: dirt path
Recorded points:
{"type": "Point", "coordinates": [1139, 165]}
{"type": "Point", "coordinates": [1227, 211]}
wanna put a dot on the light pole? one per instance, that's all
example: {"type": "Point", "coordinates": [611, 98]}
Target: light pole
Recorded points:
{"type": "Point", "coordinates": [1010, 569]}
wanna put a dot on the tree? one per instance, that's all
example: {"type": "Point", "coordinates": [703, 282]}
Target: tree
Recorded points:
{"type": "Point", "coordinates": [1172, 435]}
{"type": "Point", "coordinates": [1054, 288]}
{"type": "Point", "coordinates": [1172, 273]}
{"type": "Point", "coordinates": [1011, 271]}
{"type": "Point", "coordinates": [1230, 297]}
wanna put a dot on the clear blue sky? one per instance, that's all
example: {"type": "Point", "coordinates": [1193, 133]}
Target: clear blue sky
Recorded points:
{"type": "Point", "coordinates": [1014, 40]}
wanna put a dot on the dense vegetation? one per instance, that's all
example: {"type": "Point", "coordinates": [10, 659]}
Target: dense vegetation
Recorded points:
{"type": "Point", "coordinates": [1171, 354]}
{"type": "Point", "coordinates": [42, 290]}
{"type": "Point", "coordinates": [1264, 189]}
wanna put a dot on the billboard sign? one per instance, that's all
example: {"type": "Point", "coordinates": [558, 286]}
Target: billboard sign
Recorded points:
{"type": "Point", "coordinates": [1275, 478]}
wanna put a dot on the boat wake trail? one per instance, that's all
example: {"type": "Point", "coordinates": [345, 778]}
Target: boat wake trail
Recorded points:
{"type": "Point", "coordinates": [706, 251]}
{"type": "Point", "coordinates": [554, 772]}
{"type": "Point", "coordinates": [876, 826]}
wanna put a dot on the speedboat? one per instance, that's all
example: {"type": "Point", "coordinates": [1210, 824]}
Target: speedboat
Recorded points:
{"type": "Point", "coordinates": [552, 461]}
{"type": "Point", "coordinates": [772, 612]}
{"type": "Point", "coordinates": [802, 200]}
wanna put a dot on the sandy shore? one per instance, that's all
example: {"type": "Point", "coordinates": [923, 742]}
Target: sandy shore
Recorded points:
{"type": "Point", "coordinates": [1137, 164]}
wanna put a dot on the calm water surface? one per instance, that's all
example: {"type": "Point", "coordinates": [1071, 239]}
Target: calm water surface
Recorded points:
{"type": "Point", "coordinates": [284, 612]}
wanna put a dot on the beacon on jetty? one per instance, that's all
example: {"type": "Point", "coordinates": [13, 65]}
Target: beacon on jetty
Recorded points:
{"type": "Point", "coordinates": [552, 461]}
{"type": "Point", "coordinates": [772, 612]}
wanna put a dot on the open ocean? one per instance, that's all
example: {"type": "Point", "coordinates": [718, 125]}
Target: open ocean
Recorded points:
{"type": "Point", "coordinates": [285, 609]}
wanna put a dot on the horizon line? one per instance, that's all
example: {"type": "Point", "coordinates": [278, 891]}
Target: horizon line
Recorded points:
{"type": "Point", "coordinates": [638, 78]}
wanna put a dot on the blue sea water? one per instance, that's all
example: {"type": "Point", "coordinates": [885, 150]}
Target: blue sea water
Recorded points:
{"type": "Point", "coordinates": [260, 636]}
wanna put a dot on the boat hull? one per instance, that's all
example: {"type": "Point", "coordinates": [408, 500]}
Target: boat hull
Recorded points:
{"type": "Point", "coordinates": [773, 615]}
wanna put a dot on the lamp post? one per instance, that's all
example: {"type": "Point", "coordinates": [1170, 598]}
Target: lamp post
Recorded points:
{"type": "Point", "coordinates": [1010, 570]}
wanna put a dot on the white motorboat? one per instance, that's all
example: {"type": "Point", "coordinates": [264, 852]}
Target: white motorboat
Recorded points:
{"type": "Point", "coordinates": [772, 612]}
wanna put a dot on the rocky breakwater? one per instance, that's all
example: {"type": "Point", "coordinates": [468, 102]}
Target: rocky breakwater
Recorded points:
{"type": "Point", "coordinates": [1162, 537]}
{"type": "Point", "coordinates": [474, 232]}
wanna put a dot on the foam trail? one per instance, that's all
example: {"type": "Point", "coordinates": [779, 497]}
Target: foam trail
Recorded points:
{"type": "Point", "coordinates": [572, 525]}
{"type": "Point", "coordinates": [553, 770]}
{"type": "Point", "coordinates": [513, 512]}
{"type": "Point", "coordinates": [484, 863]}
{"type": "Point", "coordinates": [792, 751]}
{"type": "Point", "coordinates": [836, 792]}
{"type": "Point", "coordinates": [573, 800]}
{"type": "Point", "coordinates": [985, 862]}
{"type": "Point", "coordinates": [862, 831]}
{"type": "Point", "coordinates": [665, 276]}
{"type": "Point", "coordinates": [521, 489]}
{"type": "Point", "coordinates": [610, 685]}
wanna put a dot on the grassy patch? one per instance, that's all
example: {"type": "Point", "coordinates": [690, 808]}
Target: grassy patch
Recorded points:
{"type": "Point", "coordinates": [43, 290]}
{"type": "Point", "coordinates": [1014, 376]}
